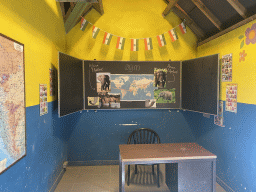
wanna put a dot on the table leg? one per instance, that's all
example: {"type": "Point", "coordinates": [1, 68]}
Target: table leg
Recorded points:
{"type": "Point", "coordinates": [121, 175]}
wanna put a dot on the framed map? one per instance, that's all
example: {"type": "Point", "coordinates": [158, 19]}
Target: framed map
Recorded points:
{"type": "Point", "coordinates": [12, 103]}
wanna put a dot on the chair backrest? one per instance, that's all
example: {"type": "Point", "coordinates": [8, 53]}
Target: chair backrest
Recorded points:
{"type": "Point", "coordinates": [143, 136]}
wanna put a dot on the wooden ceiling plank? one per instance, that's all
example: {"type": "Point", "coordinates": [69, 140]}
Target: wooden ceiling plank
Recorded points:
{"type": "Point", "coordinates": [189, 22]}
{"type": "Point", "coordinates": [169, 7]}
{"type": "Point", "coordinates": [241, 23]}
{"type": "Point", "coordinates": [62, 10]}
{"type": "Point", "coordinates": [238, 7]}
{"type": "Point", "coordinates": [98, 7]}
{"type": "Point", "coordinates": [208, 13]}
{"type": "Point", "coordinates": [74, 16]}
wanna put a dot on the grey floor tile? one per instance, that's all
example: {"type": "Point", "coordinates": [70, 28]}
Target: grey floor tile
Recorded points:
{"type": "Point", "coordinates": [64, 187]}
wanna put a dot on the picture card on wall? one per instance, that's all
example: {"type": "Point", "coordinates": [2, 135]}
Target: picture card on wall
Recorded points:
{"type": "Point", "coordinates": [226, 68]}
{"type": "Point", "coordinates": [231, 98]}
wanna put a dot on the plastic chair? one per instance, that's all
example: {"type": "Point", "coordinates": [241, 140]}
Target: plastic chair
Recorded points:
{"type": "Point", "coordinates": [144, 136]}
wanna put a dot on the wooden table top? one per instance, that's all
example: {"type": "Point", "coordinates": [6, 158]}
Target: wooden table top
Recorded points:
{"type": "Point", "coordinates": [164, 151]}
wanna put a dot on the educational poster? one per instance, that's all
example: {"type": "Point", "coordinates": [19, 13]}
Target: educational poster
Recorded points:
{"type": "Point", "coordinates": [218, 119]}
{"type": "Point", "coordinates": [43, 99]}
{"type": "Point", "coordinates": [93, 101]}
{"type": "Point", "coordinates": [103, 82]}
{"type": "Point", "coordinates": [133, 87]}
{"type": "Point", "coordinates": [160, 78]}
{"type": "Point", "coordinates": [227, 68]}
{"type": "Point", "coordinates": [165, 95]}
{"type": "Point", "coordinates": [12, 104]}
{"type": "Point", "coordinates": [231, 98]}
{"type": "Point", "coordinates": [52, 77]}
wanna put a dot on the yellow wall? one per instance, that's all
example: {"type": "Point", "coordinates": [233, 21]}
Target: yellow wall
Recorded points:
{"type": "Point", "coordinates": [39, 26]}
{"type": "Point", "coordinates": [244, 71]}
{"type": "Point", "coordinates": [131, 19]}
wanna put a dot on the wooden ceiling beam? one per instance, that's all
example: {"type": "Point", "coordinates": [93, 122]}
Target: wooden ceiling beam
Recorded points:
{"type": "Point", "coordinates": [189, 22]}
{"type": "Point", "coordinates": [208, 13]}
{"type": "Point", "coordinates": [62, 10]}
{"type": "Point", "coordinates": [169, 7]}
{"type": "Point", "coordinates": [74, 15]}
{"type": "Point", "coordinates": [98, 7]}
{"type": "Point", "coordinates": [86, 11]}
{"type": "Point", "coordinates": [238, 7]}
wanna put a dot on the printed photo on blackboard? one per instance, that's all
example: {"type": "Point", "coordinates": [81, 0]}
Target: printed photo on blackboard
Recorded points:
{"type": "Point", "coordinates": [103, 82]}
{"type": "Point", "coordinates": [160, 78]}
{"type": "Point", "coordinates": [150, 103]}
{"type": "Point", "coordinates": [165, 95]}
{"type": "Point", "coordinates": [93, 101]}
{"type": "Point", "coordinates": [109, 100]}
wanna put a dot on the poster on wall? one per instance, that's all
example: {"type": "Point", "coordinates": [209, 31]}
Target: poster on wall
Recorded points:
{"type": "Point", "coordinates": [52, 77]}
{"type": "Point", "coordinates": [226, 68]}
{"type": "Point", "coordinates": [231, 98]}
{"type": "Point", "coordinates": [218, 119]}
{"type": "Point", "coordinates": [12, 103]}
{"type": "Point", "coordinates": [43, 99]}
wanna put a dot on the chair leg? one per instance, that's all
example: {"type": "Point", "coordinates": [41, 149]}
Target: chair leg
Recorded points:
{"type": "Point", "coordinates": [153, 170]}
{"type": "Point", "coordinates": [158, 185]}
{"type": "Point", "coordinates": [135, 169]}
{"type": "Point", "coordinates": [128, 180]}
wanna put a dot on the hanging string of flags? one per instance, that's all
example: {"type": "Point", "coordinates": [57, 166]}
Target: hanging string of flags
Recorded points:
{"type": "Point", "coordinates": [134, 42]}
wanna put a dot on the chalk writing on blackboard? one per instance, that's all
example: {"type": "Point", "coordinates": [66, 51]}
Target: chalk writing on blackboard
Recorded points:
{"type": "Point", "coordinates": [95, 68]}
{"type": "Point", "coordinates": [172, 71]}
{"type": "Point", "coordinates": [130, 68]}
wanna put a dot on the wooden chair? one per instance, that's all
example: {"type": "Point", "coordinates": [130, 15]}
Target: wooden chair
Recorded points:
{"type": "Point", "coordinates": [144, 136]}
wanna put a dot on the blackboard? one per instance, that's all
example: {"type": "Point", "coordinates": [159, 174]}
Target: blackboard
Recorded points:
{"type": "Point", "coordinates": [132, 85]}
{"type": "Point", "coordinates": [200, 84]}
{"type": "Point", "coordinates": [70, 86]}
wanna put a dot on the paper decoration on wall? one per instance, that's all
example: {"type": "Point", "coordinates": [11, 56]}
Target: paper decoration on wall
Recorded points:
{"type": "Point", "coordinates": [218, 119]}
{"type": "Point", "coordinates": [43, 99]}
{"type": "Point", "coordinates": [160, 78]}
{"type": "Point", "coordinates": [173, 35]}
{"type": "Point", "coordinates": [231, 98]}
{"type": "Point", "coordinates": [103, 82]}
{"type": "Point", "coordinates": [183, 28]}
{"type": "Point", "coordinates": [107, 38]}
{"type": "Point", "coordinates": [134, 44]}
{"type": "Point", "coordinates": [227, 68]}
{"type": "Point", "coordinates": [120, 43]}
{"type": "Point", "coordinates": [84, 23]}
{"type": "Point", "coordinates": [52, 76]}
{"type": "Point", "coordinates": [161, 40]}
{"type": "Point", "coordinates": [148, 44]}
{"type": "Point", "coordinates": [95, 32]}
{"type": "Point", "coordinates": [165, 95]}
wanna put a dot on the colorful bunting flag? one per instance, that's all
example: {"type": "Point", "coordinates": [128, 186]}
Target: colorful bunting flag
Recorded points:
{"type": "Point", "coordinates": [161, 40]}
{"type": "Point", "coordinates": [183, 28]}
{"type": "Point", "coordinates": [95, 31]}
{"type": "Point", "coordinates": [148, 43]}
{"type": "Point", "coordinates": [84, 23]}
{"type": "Point", "coordinates": [173, 35]}
{"type": "Point", "coordinates": [120, 43]}
{"type": "Point", "coordinates": [107, 38]}
{"type": "Point", "coordinates": [134, 44]}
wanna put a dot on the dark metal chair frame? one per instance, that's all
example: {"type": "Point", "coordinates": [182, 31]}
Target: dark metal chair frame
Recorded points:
{"type": "Point", "coordinates": [144, 136]}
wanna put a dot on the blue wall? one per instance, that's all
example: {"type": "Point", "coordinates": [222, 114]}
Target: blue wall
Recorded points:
{"type": "Point", "coordinates": [234, 145]}
{"type": "Point", "coordinates": [96, 135]}
{"type": "Point", "coordinates": [46, 152]}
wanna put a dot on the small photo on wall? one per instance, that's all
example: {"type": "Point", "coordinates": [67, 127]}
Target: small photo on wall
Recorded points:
{"type": "Point", "coordinates": [109, 100]}
{"type": "Point", "coordinates": [226, 68]}
{"type": "Point", "coordinates": [93, 101]}
{"type": "Point", "coordinates": [150, 103]}
{"type": "Point", "coordinates": [103, 82]}
{"type": "Point", "coordinates": [160, 77]}
{"type": "Point", "coordinates": [165, 95]}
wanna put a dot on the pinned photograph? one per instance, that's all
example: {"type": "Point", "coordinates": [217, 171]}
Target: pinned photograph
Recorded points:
{"type": "Point", "coordinates": [160, 78]}
{"type": "Point", "coordinates": [109, 100]}
{"type": "Point", "coordinates": [150, 103]}
{"type": "Point", "coordinates": [103, 82]}
{"type": "Point", "coordinates": [165, 95]}
{"type": "Point", "coordinates": [93, 101]}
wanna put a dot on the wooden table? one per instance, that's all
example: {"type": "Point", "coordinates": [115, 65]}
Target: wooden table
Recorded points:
{"type": "Point", "coordinates": [189, 167]}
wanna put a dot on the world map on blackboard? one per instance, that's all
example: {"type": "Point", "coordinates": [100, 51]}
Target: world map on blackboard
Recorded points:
{"type": "Point", "coordinates": [12, 103]}
{"type": "Point", "coordinates": [133, 87]}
